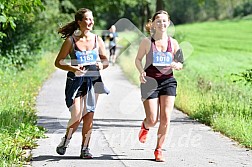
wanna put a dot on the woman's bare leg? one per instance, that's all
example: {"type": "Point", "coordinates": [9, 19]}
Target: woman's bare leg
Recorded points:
{"type": "Point", "coordinates": [151, 110]}
{"type": "Point", "coordinates": [87, 124]}
{"type": "Point", "coordinates": [166, 107]}
{"type": "Point", "coordinates": [76, 116]}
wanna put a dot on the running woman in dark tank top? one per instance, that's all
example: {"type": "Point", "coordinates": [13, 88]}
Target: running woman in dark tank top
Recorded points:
{"type": "Point", "coordinates": [83, 84]}
{"type": "Point", "coordinates": [158, 85]}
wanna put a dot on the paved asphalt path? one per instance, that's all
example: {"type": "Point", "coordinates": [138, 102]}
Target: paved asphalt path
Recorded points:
{"type": "Point", "coordinates": [117, 121]}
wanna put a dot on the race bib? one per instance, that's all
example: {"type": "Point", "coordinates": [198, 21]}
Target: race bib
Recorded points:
{"type": "Point", "coordinates": [86, 57]}
{"type": "Point", "coordinates": [162, 58]}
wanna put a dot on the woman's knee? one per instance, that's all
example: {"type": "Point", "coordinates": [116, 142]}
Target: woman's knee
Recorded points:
{"type": "Point", "coordinates": [76, 118]}
{"type": "Point", "coordinates": [164, 122]}
{"type": "Point", "coordinates": [88, 118]}
{"type": "Point", "coordinates": [73, 123]}
{"type": "Point", "coordinates": [151, 122]}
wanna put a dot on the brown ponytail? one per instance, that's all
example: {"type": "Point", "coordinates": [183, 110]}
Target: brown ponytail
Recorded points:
{"type": "Point", "coordinates": [69, 28]}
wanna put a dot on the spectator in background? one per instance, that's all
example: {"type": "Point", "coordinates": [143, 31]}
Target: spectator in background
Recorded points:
{"type": "Point", "coordinates": [112, 43]}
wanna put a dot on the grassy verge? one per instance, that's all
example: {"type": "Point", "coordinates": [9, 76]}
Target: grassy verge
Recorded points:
{"type": "Point", "coordinates": [18, 130]}
{"type": "Point", "coordinates": [206, 90]}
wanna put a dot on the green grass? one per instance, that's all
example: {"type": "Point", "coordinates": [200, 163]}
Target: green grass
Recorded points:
{"type": "Point", "coordinates": [206, 90]}
{"type": "Point", "coordinates": [220, 49]}
{"type": "Point", "coordinates": [18, 130]}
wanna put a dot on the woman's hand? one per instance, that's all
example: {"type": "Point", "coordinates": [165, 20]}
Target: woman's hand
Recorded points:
{"type": "Point", "coordinates": [79, 71]}
{"type": "Point", "coordinates": [142, 77]}
{"type": "Point", "coordinates": [99, 65]}
{"type": "Point", "coordinates": [176, 65]}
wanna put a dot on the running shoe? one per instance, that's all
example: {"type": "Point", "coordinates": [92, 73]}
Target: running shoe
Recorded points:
{"type": "Point", "coordinates": [159, 155]}
{"type": "Point", "coordinates": [143, 134]}
{"type": "Point", "coordinates": [61, 148]}
{"type": "Point", "coordinates": [85, 154]}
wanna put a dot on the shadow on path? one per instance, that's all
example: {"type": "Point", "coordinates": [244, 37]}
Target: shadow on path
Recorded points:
{"type": "Point", "coordinates": [102, 157]}
{"type": "Point", "coordinates": [53, 124]}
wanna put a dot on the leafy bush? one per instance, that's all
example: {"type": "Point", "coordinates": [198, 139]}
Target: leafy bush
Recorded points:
{"type": "Point", "coordinates": [24, 45]}
{"type": "Point", "coordinates": [24, 65]}
{"type": "Point", "coordinates": [245, 77]}
{"type": "Point", "coordinates": [18, 129]}
{"type": "Point", "coordinates": [243, 9]}
{"type": "Point", "coordinates": [13, 11]}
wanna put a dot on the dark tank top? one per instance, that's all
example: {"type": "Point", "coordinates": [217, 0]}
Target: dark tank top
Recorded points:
{"type": "Point", "coordinates": [87, 58]}
{"type": "Point", "coordinates": [157, 63]}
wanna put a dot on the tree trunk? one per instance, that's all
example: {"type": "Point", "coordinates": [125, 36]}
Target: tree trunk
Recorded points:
{"type": "Point", "coordinates": [159, 5]}
{"type": "Point", "coordinates": [142, 16]}
{"type": "Point", "coordinates": [148, 12]}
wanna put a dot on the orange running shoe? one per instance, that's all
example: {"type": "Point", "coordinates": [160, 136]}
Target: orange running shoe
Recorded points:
{"type": "Point", "coordinates": [159, 155]}
{"type": "Point", "coordinates": [143, 134]}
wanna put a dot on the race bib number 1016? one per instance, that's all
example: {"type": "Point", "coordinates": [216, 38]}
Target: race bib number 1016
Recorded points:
{"type": "Point", "coordinates": [162, 58]}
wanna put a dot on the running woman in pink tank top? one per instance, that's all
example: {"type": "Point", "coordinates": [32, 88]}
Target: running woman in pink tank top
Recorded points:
{"type": "Point", "coordinates": [158, 85]}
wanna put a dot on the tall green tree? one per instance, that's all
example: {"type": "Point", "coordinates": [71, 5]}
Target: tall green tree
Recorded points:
{"type": "Point", "coordinates": [106, 14]}
{"type": "Point", "coordinates": [12, 10]}
{"type": "Point", "coordinates": [22, 44]}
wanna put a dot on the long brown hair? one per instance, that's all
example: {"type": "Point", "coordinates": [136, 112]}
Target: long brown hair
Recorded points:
{"type": "Point", "coordinates": [148, 26]}
{"type": "Point", "coordinates": [69, 28]}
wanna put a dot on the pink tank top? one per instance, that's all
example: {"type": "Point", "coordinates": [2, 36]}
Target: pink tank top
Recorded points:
{"type": "Point", "coordinates": [160, 69]}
